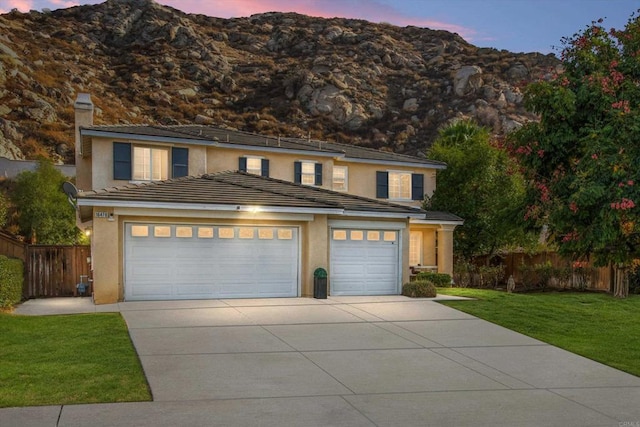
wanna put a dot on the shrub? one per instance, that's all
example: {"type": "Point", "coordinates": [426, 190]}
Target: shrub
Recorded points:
{"type": "Point", "coordinates": [419, 289]}
{"type": "Point", "coordinates": [441, 280]}
{"type": "Point", "coordinates": [11, 278]}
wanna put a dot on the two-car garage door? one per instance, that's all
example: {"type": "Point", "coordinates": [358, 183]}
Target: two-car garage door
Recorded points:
{"type": "Point", "coordinates": [175, 261]}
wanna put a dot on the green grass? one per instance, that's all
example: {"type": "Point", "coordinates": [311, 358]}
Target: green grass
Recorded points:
{"type": "Point", "coordinates": [53, 360]}
{"type": "Point", "coordinates": [596, 326]}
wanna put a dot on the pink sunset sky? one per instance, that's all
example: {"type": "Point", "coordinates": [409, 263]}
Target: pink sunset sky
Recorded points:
{"type": "Point", "coordinates": [515, 25]}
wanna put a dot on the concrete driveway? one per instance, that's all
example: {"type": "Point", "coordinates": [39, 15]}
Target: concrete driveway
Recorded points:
{"type": "Point", "coordinates": [347, 361]}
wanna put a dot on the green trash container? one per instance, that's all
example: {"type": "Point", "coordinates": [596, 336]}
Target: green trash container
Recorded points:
{"type": "Point", "coordinates": [320, 283]}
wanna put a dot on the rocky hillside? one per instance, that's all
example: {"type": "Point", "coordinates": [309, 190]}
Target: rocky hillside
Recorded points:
{"type": "Point", "coordinates": [336, 79]}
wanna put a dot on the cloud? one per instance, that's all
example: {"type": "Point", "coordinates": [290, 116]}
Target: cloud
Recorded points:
{"type": "Point", "coordinates": [21, 5]}
{"type": "Point", "coordinates": [370, 10]}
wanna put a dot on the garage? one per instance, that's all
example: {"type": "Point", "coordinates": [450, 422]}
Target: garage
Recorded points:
{"type": "Point", "coordinates": [191, 261]}
{"type": "Point", "coordinates": [364, 262]}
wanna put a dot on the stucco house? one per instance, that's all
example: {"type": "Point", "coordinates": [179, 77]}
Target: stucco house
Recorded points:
{"type": "Point", "coordinates": [194, 212]}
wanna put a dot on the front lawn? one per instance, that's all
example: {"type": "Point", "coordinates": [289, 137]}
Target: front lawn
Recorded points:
{"type": "Point", "coordinates": [596, 326]}
{"type": "Point", "coordinates": [53, 360]}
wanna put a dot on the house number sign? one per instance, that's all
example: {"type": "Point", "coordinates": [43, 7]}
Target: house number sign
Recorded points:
{"type": "Point", "coordinates": [102, 214]}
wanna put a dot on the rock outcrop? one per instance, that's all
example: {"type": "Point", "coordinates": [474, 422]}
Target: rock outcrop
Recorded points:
{"type": "Point", "coordinates": [278, 73]}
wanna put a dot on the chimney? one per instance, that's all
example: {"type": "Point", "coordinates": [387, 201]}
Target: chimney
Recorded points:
{"type": "Point", "coordinates": [83, 117]}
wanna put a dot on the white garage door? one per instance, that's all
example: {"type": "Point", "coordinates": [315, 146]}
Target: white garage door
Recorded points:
{"type": "Point", "coordinates": [364, 262]}
{"type": "Point", "coordinates": [172, 261]}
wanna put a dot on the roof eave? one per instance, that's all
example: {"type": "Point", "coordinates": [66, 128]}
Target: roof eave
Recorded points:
{"type": "Point", "coordinates": [232, 207]}
{"type": "Point", "coordinates": [425, 165]}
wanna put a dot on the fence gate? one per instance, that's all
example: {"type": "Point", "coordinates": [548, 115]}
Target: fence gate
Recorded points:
{"type": "Point", "coordinates": [54, 271]}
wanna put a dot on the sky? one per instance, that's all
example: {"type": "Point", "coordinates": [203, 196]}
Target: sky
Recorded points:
{"type": "Point", "coordinates": [514, 25]}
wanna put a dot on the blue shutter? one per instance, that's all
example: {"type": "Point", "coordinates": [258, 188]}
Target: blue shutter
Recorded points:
{"type": "Point", "coordinates": [382, 185]}
{"type": "Point", "coordinates": [122, 160]}
{"type": "Point", "coordinates": [179, 162]}
{"type": "Point", "coordinates": [265, 168]}
{"type": "Point", "coordinates": [318, 173]}
{"type": "Point", "coordinates": [417, 186]}
{"type": "Point", "coordinates": [242, 164]}
{"type": "Point", "coordinates": [297, 172]}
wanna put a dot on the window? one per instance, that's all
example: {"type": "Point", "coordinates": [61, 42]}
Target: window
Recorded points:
{"type": "Point", "coordinates": [254, 165]}
{"type": "Point", "coordinates": [307, 173]}
{"type": "Point", "coordinates": [139, 231]}
{"type": "Point", "coordinates": [162, 231]}
{"type": "Point", "coordinates": [340, 178]}
{"type": "Point", "coordinates": [399, 185]}
{"type": "Point", "coordinates": [150, 164]}
{"type": "Point", "coordinates": [184, 232]}
{"type": "Point", "coordinates": [339, 235]}
{"type": "Point", "coordinates": [205, 232]}
{"type": "Point", "coordinates": [415, 248]}
{"type": "Point", "coordinates": [357, 234]}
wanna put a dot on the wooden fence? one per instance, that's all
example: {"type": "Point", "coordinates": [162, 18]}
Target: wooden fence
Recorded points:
{"type": "Point", "coordinates": [49, 270]}
{"type": "Point", "coordinates": [515, 264]}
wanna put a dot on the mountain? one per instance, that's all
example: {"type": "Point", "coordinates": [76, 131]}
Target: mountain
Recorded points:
{"type": "Point", "coordinates": [287, 74]}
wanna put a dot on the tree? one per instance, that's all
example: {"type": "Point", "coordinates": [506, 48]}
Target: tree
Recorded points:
{"type": "Point", "coordinates": [43, 209]}
{"type": "Point", "coordinates": [581, 159]}
{"type": "Point", "coordinates": [482, 185]}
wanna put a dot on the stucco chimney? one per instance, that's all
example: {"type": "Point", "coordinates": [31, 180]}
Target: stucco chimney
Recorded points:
{"type": "Point", "coordinates": [84, 117]}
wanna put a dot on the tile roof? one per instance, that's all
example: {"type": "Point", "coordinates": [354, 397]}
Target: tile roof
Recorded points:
{"type": "Point", "coordinates": [240, 188]}
{"type": "Point", "coordinates": [210, 135]}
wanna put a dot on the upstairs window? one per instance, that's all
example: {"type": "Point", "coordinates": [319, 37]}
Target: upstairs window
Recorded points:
{"type": "Point", "coordinates": [400, 185]}
{"type": "Point", "coordinates": [141, 163]}
{"type": "Point", "coordinates": [307, 173]}
{"type": "Point", "coordinates": [396, 185]}
{"type": "Point", "coordinates": [254, 165]}
{"type": "Point", "coordinates": [340, 178]}
{"type": "Point", "coordinates": [150, 164]}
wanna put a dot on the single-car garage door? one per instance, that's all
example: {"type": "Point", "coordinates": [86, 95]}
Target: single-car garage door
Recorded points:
{"type": "Point", "coordinates": [175, 261]}
{"type": "Point", "coordinates": [364, 262]}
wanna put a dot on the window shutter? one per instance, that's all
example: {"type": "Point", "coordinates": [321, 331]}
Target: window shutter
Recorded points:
{"type": "Point", "coordinates": [265, 168]}
{"type": "Point", "coordinates": [382, 185]}
{"type": "Point", "coordinates": [417, 186]}
{"type": "Point", "coordinates": [121, 160]}
{"type": "Point", "coordinates": [242, 164]}
{"type": "Point", "coordinates": [179, 162]}
{"type": "Point", "coordinates": [297, 172]}
{"type": "Point", "coordinates": [318, 173]}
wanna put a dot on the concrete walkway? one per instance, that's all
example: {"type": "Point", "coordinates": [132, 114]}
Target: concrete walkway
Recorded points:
{"type": "Point", "coordinates": [344, 361]}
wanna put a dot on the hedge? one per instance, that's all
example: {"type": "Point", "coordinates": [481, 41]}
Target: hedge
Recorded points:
{"type": "Point", "coordinates": [419, 289]}
{"type": "Point", "coordinates": [441, 280]}
{"type": "Point", "coordinates": [11, 279]}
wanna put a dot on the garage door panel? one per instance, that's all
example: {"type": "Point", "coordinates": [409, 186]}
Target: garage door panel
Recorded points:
{"type": "Point", "coordinates": [195, 263]}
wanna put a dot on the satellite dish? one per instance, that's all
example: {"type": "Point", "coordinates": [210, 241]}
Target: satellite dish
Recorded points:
{"type": "Point", "coordinates": [70, 190]}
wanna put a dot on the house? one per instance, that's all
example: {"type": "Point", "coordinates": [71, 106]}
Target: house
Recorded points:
{"type": "Point", "coordinates": [190, 212]}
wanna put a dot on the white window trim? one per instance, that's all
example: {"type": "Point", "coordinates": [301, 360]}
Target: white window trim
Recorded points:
{"type": "Point", "coordinates": [400, 199]}
{"type": "Point", "coordinates": [420, 254]}
{"type": "Point", "coordinates": [346, 178]}
{"type": "Point", "coordinates": [313, 174]}
{"type": "Point", "coordinates": [260, 159]}
{"type": "Point", "coordinates": [151, 148]}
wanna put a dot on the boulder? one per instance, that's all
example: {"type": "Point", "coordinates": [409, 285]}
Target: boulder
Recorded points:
{"type": "Point", "coordinates": [467, 80]}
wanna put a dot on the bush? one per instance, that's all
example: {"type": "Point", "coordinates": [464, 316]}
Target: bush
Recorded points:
{"type": "Point", "coordinates": [11, 278]}
{"type": "Point", "coordinates": [419, 289]}
{"type": "Point", "coordinates": [441, 280]}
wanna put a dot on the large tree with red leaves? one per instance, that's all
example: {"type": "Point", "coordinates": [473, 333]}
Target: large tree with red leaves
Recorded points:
{"type": "Point", "coordinates": [582, 159]}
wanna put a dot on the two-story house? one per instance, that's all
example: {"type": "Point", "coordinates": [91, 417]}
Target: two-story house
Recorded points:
{"type": "Point", "coordinates": [190, 212]}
